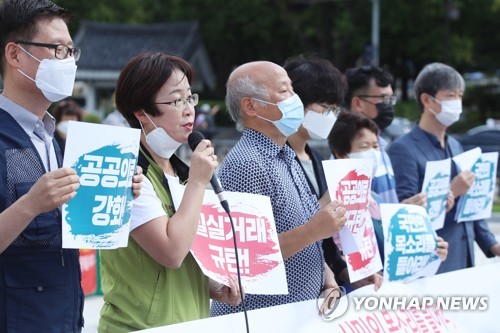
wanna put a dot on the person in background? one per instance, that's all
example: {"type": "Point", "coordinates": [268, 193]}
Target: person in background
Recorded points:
{"type": "Point", "coordinates": [439, 89]}
{"type": "Point", "coordinates": [155, 281]}
{"type": "Point", "coordinates": [205, 122]}
{"type": "Point", "coordinates": [63, 112]}
{"type": "Point", "coordinates": [356, 136]}
{"type": "Point", "coordinates": [321, 88]}
{"type": "Point", "coordinates": [115, 118]}
{"type": "Point", "coordinates": [261, 100]}
{"type": "Point", "coordinates": [370, 93]}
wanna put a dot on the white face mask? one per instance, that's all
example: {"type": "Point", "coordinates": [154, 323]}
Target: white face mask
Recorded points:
{"type": "Point", "coordinates": [160, 142]}
{"type": "Point", "coordinates": [372, 154]}
{"type": "Point", "coordinates": [54, 77]}
{"type": "Point", "coordinates": [318, 125]}
{"type": "Point", "coordinates": [62, 127]}
{"type": "Point", "coordinates": [450, 111]}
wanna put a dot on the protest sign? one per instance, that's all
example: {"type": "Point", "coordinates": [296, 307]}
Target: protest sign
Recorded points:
{"type": "Point", "coordinates": [436, 186]}
{"type": "Point", "coordinates": [477, 203]}
{"type": "Point", "coordinates": [466, 160]}
{"type": "Point", "coordinates": [436, 304]}
{"type": "Point", "coordinates": [349, 180]}
{"type": "Point", "coordinates": [105, 159]}
{"type": "Point", "coordinates": [410, 243]}
{"type": "Point", "coordinates": [261, 263]}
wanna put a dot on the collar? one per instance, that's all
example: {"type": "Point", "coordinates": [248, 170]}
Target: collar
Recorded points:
{"type": "Point", "coordinates": [268, 147]}
{"type": "Point", "coordinates": [27, 120]}
{"type": "Point", "coordinates": [432, 138]}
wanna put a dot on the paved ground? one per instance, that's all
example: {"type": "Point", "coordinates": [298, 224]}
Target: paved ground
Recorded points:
{"type": "Point", "coordinates": [93, 303]}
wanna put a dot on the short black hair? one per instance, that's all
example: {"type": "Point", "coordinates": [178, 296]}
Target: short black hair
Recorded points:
{"type": "Point", "coordinates": [316, 80]}
{"type": "Point", "coordinates": [346, 128]}
{"type": "Point", "coordinates": [358, 79]}
{"type": "Point", "coordinates": [434, 77]}
{"type": "Point", "coordinates": [142, 78]}
{"type": "Point", "coordinates": [66, 107]}
{"type": "Point", "coordinates": [19, 19]}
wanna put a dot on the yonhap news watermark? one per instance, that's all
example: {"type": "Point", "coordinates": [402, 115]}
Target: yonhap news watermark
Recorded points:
{"type": "Point", "coordinates": [445, 303]}
{"type": "Point", "coordinates": [335, 303]}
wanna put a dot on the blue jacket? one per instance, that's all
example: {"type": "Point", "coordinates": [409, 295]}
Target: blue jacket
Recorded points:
{"type": "Point", "coordinates": [39, 281]}
{"type": "Point", "coordinates": [409, 155]}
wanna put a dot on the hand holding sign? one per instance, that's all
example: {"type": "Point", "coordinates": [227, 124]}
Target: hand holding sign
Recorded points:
{"type": "Point", "coordinates": [462, 182]}
{"type": "Point", "coordinates": [53, 189]}
{"type": "Point", "coordinates": [327, 221]}
{"type": "Point", "coordinates": [419, 199]}
{"type": "Point", "coordinates": [442, 248]}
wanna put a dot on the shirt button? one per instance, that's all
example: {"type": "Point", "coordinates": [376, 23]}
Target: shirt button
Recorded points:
{"type": "Point", "coordinates": [39, 288]}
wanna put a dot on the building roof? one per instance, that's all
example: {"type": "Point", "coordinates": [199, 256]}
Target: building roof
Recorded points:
{"type": "Point", "coordinates": [107, 47]}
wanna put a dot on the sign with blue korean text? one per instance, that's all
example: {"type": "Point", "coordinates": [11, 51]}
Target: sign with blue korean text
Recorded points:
{"type": "Point", "coordinates": [410, 243]}
{"type": "Point", "coordinates": [105, 159]}
{"type": "Point", "coordinates": [436, 186]}
{"type": "Point", "coordinates": [477, 203]}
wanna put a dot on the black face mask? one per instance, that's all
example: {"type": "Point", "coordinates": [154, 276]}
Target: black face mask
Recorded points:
{"type": "Point", "coordinates": [385, 115]}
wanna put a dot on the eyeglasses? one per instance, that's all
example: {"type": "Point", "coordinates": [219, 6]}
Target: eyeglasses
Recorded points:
{"type": "Point", "coordinates": [330, 109]}
{"type": "Point", "coordinates": [61, 51]}
{"type": "Point", "coordinates": [386, 99]}
{"type": "Point", "coordinates": [180, 103]}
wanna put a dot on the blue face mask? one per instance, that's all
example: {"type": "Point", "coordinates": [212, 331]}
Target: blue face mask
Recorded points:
{"type": "Point", "coordinates": [292, 110]}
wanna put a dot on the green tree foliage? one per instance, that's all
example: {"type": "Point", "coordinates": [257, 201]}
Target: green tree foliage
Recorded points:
{"type": "Point", "coordinates": [412, 32]}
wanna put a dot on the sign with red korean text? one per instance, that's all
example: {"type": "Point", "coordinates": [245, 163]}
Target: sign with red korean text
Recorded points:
{"type": "Point", "coordinates": [442, 303]}
{"type": "Point", "coordinates": [349, 180]}
{"type": "Point", "coordinates": [261, 263]}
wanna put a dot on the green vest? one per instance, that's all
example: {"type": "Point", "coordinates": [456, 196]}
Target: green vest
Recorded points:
{"type": "Point", "coordinates": [139, 293]}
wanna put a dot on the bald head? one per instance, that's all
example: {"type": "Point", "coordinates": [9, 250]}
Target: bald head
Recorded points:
{"type": "Point", "coordinates": [258, 79]}
{"type": "Point", "coordinates": [257, 71]}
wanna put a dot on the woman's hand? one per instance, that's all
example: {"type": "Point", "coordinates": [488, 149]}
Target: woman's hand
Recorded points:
{"type": "Point", "coordinates": [224, 294]}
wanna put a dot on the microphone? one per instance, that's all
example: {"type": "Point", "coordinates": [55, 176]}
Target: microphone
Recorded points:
{"type": "Point", "coordinates": [193, 140]}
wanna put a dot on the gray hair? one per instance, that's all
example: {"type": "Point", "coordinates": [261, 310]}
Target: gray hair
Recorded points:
{"type": "Point", "coordinates": [237, 89]}
{"type": "Point", "coordinates": [435, 77]}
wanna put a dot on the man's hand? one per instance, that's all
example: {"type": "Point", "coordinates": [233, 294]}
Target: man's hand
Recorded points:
{"type": "Point", "coordinates": [496, 249]}
{"type": "Point", "coordinates": [419, 199]}
{"type": "Point", "coordinates": [462, 182]}
{"type": "Point", "coordinates": [327, 221]}
{"type": "Point", "coordinates": [375, 279]}
{"type": "Point", "coordinates": [442, 248]}
{"type": "Point", "coordinates": [224, 294]}
{"type": "Point", "coordinates": [52, 190]}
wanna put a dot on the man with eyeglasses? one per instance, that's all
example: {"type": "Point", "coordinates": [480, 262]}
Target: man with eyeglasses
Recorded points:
{"type": "Point", "coordinates": [371, 94]}
{"type": "Point", "coordinates": [321, 87]}
{"type": "Point", "coordinates": [39, 281]}
{"type": "Point", "coordinates": [439, 89]}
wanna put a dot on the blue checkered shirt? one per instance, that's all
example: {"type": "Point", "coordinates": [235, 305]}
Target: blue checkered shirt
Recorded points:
{"type": "Point", "coordinates": [257, 165]}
